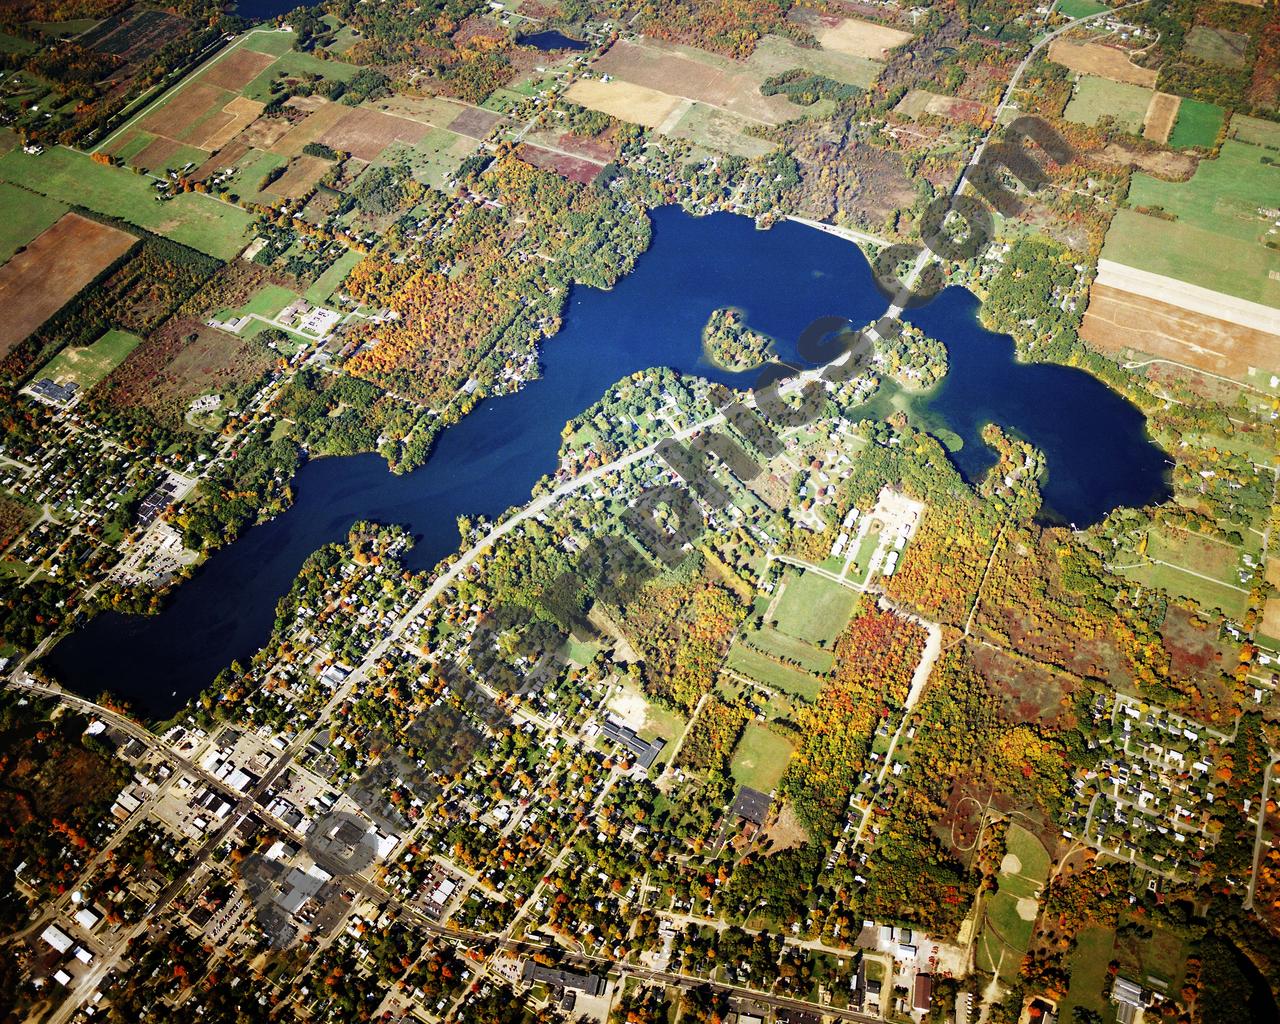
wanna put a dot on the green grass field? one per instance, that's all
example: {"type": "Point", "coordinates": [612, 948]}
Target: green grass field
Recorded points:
{"type": "Point", "coordinates": [1030, 852]}
{"type": "Point", "coordinates": [268, 302]}
{"type": "Point", "coordinates": [753, 664]}
{"type": "Point", "coordinates": [760, 758]}
{"type": "Point", "coordinates": [88, 365]}
{"type": "Point", "coordinates": [805, 655]}
{"type": "Point", "coordinates": [250, 170]}
{"type": "Point", "coordinates": [1088, 969]}
{"type": "Point", "coordinates": [1095, 98]}
{"type": "Point", "coordinates": [814, 608]}
{"type": "Point", "coordinates": [773, 55]}
{"type": "Point", "coordinates": [22, 217]}
{"type": "Point", "coordinates": [201, 222]}
{"type": "Point", "coordinates": [295, 64]}
{"type": "Point", "coordinates": [1182, 584]}
{"type": "Point", "coordinates": [1080, 8]}
{"type": "Point", "coordinates": [1197, 125]}
{"type": "Point", "coordinates": [15, 44]}
{"type": "Point", "coordinates": [328, 282]}
{"type": "Point", "coordinates": [1216, 240]}
{"type": "Point", "coordinates": [1256, 131]}
{"type": "Point", "coordinates": [269, 41]}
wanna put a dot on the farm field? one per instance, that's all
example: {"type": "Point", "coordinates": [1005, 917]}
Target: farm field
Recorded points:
{"type": "Point", "coordinates": [852, 36]}
{"type": "Point", "coordinates": [1095, 98]}
{"type": "Point", "coordinates": [23, 215]}
{"type": "Point", "coordinates": [200, 222]}
{"type": "Point", "coordinates": [1197, 125]}
{"type": "Point", "coordinates": [760, 759]}
{"type": "Point", "coordinates": [625, 101]}
{"type": "Point", "coordinates": [1216, 241]}
{"type": "Point", "coordinates": [755, 665]}
{"type": "Point", "coordinates": [1104, 61]}
{"type": "Point", "coordinates": [718, 129]}
{"type": "Point", "coordinates": [773, 55]}
{"type": "Point", "coordinates": [1254, 130]}
{"type": "Point", "coordinates": [814, 608]}
{"type": "Point", "coordinates": [39, 281]}
{"type": "Point", "coordinates": [88, 365]}
{"type": "Point", "coordinates": [1161, 115]}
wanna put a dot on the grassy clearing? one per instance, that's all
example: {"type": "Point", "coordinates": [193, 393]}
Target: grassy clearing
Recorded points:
{"type": "Point", "coordinates": [328, 282]}
{"type": "Point", "coordinates": [1206, 593]}
{"type": "Point", "coordinates": [1197, 125]}
{"type": "Point", "coordinates": [754, 665]}
{"type": "Point", "coordinates": [267, 41]}
{"type": "Point", "coordinates": [1258, 132]}
{"type": "Point", "coordinates": [760, 758]}
{"type": "Point", "coordinates": [773, 55]}
{"type": "Point", "coordinates": [1088, 967]}
{"type": "Point", "coordinates": [814, 608]}
{"type": "Point", "coordinates": [1095, 98]}
{"type": "Point", "coordinates": [202, 222]}
{"type": "Point", "coordinates": [88, 365]}
{"type": "Point", "coordinates": [22, 217]}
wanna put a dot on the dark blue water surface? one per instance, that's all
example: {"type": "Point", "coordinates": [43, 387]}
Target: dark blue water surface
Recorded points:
{"type": "Point", "coordinates": [551, 40]}
{"type": "Point", "coordinates": [1095, 442]}
{"type": "Point", "coordinates": [265, 10]}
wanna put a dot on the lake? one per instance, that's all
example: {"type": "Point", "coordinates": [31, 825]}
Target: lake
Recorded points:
{"type": "Point", "coordinates": [266, 10]}
{"type": "Point", "coordinates": [1094, 441]}
{"type": "Point", "coordinates": [551, 40]}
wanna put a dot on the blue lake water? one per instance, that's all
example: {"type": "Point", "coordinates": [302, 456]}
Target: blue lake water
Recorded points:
{"type": "Point", "coordinates": [265, 10]}
{"type": "Point", "coordinates": [551, 40]}
{"type": "Point", "coordinates": [1095, 442]}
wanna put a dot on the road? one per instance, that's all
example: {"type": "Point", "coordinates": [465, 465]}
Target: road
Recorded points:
{"type": "Point", "coordinates": [1257, 842]}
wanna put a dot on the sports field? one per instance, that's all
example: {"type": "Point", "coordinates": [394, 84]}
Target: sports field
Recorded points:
{"type": "Point", "coordinates": [1089, 963]}
{"type": "Point", "coordinates": [202, 222]}
{"type": "Point", "coordinates": [814, 608]}
{"type": "Point", "coordinates": [760, 758]}
{"type": "Point", "coordinates": [1011, 911]}
{"type": "Point", "coordinates": [1216, 240]}
{"type": "Point", "coordinates": [1197, 125]}
{"type": "Point", "coordinates": [1095, 98]}
{"type": "Point", "coordinates": [88, 365]}
{"type": "Point", "coordinates": [23, 215]}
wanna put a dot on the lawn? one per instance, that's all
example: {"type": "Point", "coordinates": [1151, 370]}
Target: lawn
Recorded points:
{"type": "Point", "coordinates": [760, 758]}
{"type": "Point", "coordinates": [88, 365]}
{"type": "Point", "coordinates": [764, 670]}
{"type": "Point", "coordinates": [204, 223]}
{"type": "Point", "coordinates": [269, 41]}
{"type": "Point", "coordinates": [1080, 8]}
{"type": "Point", "coordinates": [328, 282]}
{"type": "Point", "coordinates": [814, 608]}
{"type": "Point", "coordinates": [23, 215]}
{"type": "Point", "coordinates": [1095, 98]}
{"type": "Point", "coordinates": [1197, 125]}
